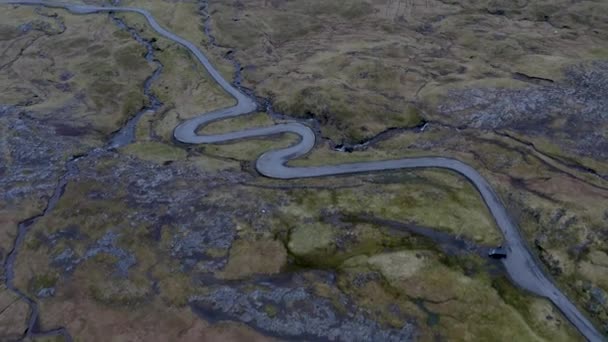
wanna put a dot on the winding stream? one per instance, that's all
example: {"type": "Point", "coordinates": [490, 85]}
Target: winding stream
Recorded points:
{"type": "Point", "coordinates": [522, 266]}
{"type": "Point", "coordinates": [122, 137]}
{"type": "Point", "coordinates": [126, 135]}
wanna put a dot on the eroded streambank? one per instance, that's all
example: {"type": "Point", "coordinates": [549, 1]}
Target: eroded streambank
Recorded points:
{"type": "Point", "coordinates": [32, 328]}
{"type": "Point", "coordinates": [127, 133]}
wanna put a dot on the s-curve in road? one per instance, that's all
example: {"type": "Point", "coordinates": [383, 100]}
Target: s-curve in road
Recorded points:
{"type": "Point", "coordinates": [521, 265]}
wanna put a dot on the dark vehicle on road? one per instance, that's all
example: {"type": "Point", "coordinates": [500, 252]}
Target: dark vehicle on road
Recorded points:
{"type": "Point", "coordinates": [497, 253]}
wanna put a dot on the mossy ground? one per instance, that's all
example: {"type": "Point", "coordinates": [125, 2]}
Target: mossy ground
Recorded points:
{"type": "Point", "coordinates": [463, 307]}
{"type": "Point", "coordinates": [249, 258]}
{"type": "Point", "coordinates": [13, 313]}
{"type": "Point", "coordinates": [339, 86]}
{"type": "Point", "coordinates": [430, 198]}
{"type": "Point", "coordinates": [284, 221]}
{"type": "Point", "coordinates": [101, 87]}
{"type": "Point", "coordinates": [57, 72]}
{"type": "Point", "coordinates": [155, 151]}
{"type": "Point", "coordinates": [387, 56]}
{"type": "Point", "coordinates": [184, 87]}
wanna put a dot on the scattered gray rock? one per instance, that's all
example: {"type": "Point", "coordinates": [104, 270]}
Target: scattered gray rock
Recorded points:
{"type": "Point", "coordinates": [25, 28]}
{"type": "Point", "coordinates": [35, 164]}
{"type": "Point", "coordinates": [195, 225]}
{"type": "Point", "coordinates": [106, 245]}
{"type": "Point", "coordinates": [289, 309]}
{"type": "Point", "coordinates": [46, 292]}
{"type": "Point", "coordinates": [69, 233]}
{"type": "Point", "coordinates": [581, 100]}
{"type": "Point", "coordinates": [64, 257]}
{"type": "Point", "coordinates": [68, 260]}
{"type": "Point", "coordinates": [599, 296]}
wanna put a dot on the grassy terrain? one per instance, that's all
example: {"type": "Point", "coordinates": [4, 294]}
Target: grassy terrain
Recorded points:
{"type": "Point", "coordinates": [362, 66]}
{"type": "Point", "coordinates": [185, 19]}
{"type": "Point", "coordinates": [278, 231]}
{"type": "Point", "coordinates": [78, 78]}
{"type": "Point", "coordinates": [484, 73]}
{"type": "Point", "coordinates": [442, 296]}
{"type": "Point", "coordinates": [184, 86]}
{"type": "Point", "coordinates": [96, 90]}
{"type": "Point", "coordinates": [432, 199]}
{"type": "Point", "coordinates": [357, 68]}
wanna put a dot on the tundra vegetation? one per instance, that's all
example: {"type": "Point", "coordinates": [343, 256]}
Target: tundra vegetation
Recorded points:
{"type": "Point", "coordinates": [157, 240]}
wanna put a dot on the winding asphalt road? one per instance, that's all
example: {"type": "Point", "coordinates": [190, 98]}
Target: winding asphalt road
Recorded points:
{"type": "Point", "coordinates": [521, 265]}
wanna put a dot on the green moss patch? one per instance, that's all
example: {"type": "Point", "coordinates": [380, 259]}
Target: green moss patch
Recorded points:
{"type": "Point", "coordinates": [254, 257]}
{"type": "Point", "coordinates": [155, 152]}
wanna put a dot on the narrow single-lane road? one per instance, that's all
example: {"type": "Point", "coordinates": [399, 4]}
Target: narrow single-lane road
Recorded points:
{"type": "Point", "coordinates": [521, 265]}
